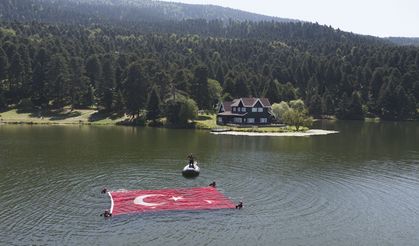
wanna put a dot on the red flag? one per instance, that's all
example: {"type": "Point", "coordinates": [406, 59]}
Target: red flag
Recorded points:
{"type": "Point", "coordinates": [138, 201]}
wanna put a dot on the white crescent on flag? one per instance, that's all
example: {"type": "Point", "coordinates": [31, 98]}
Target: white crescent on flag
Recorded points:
{"type": "Point", "coordinates": [139, 200]}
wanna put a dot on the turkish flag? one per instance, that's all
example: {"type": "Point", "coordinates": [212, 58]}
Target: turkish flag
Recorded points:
{"type": "Point", "coordinates": [138, 201]}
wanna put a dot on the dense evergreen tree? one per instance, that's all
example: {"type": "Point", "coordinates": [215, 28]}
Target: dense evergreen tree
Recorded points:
{"type": "Point", "coordinates": [376, 82]}
{"type": "Point", "coordinates": [26, 71]}
{"type": "Point", "coordinates": [343, 105]}
{"type": "Point", "coordinates": [153, 105]}
{"type": "Point", "coordinates": [395, 103]}
{"type": "Point", "coordinates": [229, 86]}
{"type": "Point", "coordinates": [94, 70]}
{"type": "Point", "coordinates": [241, 88]}
{"type": "Point", "coordinates": [288, 92]}
{"type": "Point", "coordinates": [315, 107]}
{"type": "Point", "coordinates": [4, 65]}
{"type": "Point", "coordinates": [200, 87]}
{"type": "Point", "coordinates": [327, 104]}
{"type": "Point", "coordinates": [354, 110]}
{"type": "Point", "coordinates": [105, 87]}
{"type": "Point", "coordinates": [39, 79]}
{"type": "Point", "coordinates": [79, 92]}
{"type": "Point", "coordinates": [181, 82]}
{"type": "Point", "coordinates": [272, 91]}
{"type": "Point", "coordinates": [15, 76]}
{"type": "Point", "coordinates": [134, 89]}
{"type": "Point", "coordinates": [57, 81]}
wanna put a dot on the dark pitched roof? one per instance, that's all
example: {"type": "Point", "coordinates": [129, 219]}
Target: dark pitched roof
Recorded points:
{"type": "Point", "coordinates": [250, 101]}
{"type": "Point", "coordinates": [235, 103]}
{"type": "Point", "coordinates": [265, 102]}
{"type": "Point", "coordinates": [227, 105]}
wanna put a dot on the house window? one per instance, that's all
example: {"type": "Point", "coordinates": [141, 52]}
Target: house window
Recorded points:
{"type": "Point", "coordinates": [220, 119]}
{"type": "Point", "coordinates": [254, 110]}
{"type": "Point", "coordinates": [234, 109]}
{"type": "Point", "coordinates": [243, 109]}
{"type": "Point", "coordinates": [260, 109]}
{"type": "Point", "coordinates": [263, 120]}
{"type": "Point", "coordinates": [251, 120]}
{"type": "Point", "coordinates": [237, 120]}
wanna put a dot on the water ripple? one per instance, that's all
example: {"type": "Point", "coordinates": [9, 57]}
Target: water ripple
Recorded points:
{"type": "Point", "coordinates": [297, 196]}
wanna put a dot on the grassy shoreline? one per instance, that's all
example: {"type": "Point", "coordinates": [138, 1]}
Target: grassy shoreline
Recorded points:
{"type": "Point", "coordinates": [93, 117]}
{"type": "Point", "coordinates": [208, 122]}
{"type": "Point", "coordinates": [62, 117]}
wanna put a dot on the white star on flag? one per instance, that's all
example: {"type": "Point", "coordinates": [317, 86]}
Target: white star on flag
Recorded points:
{"type": "Point", "coordinates": [175, 198]}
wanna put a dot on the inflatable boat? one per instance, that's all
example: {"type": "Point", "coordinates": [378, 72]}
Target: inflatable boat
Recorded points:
{"type": "Point", "coordinates": [191, 171]}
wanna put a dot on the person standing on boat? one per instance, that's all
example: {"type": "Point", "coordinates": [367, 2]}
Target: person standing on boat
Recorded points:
{"type": "Point", "coordinates": [191, 161]}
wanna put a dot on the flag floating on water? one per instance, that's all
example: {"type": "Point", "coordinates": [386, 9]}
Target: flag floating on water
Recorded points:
{"type": "Point", "coordinates": [138, 201]}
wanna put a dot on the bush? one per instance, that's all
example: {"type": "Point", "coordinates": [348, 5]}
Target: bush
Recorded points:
{"type": "Point", "coordinates": [180, 111]}
{"type": "Point", "coordinates": [25, 105]}
{"type": "Point", "coordinates": [297, 105]}
{"type": "Point", "coordinates": [297, 118]}
{"type": "Point", "coordinates": [279, 109]}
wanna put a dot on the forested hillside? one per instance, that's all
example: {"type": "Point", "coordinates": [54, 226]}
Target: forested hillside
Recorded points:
{"type": "Point", "coordinates": [404, 41]}
{"type": "Point", "coordinates": [126, 66]}
{"type": "Point", "coordinates": [100, 11]}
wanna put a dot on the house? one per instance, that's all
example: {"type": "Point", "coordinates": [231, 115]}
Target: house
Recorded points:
{"type": "Point", "coordinates": [245, 111]}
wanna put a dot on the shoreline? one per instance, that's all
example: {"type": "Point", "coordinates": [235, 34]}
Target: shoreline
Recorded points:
{"type": "Point", "coordinates": [62, 117]}
{"type": "Point", "coordinates": [312, 132]}
{"type": "Point", "coordinates": [91, 117]}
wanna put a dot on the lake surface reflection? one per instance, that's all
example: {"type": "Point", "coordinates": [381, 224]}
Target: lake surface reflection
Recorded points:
{"type": "Point", "coordinates": [358, 187]}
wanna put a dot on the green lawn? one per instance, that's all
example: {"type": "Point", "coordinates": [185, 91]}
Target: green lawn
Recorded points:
{"type": "Point", "coordinates": [92, 117]}
{"type": "Point", "coordinates": [208, 121]}
{"type": "Point", "coordinates": [66, 116]}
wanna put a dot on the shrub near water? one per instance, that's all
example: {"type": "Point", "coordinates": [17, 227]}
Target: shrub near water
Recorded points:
{"type": "Point", "coordinates": [180, 111]}
{"type": "Point", "coordinates": [293, 114]}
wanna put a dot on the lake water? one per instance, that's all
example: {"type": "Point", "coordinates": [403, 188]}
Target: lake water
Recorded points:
{"type": "Point", "coordinates": [358, 187]}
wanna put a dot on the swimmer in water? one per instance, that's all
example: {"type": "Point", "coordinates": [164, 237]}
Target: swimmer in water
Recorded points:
{"type": "Point", "coordinates": [104, 190]}
{"type": "Point", "coordinates": [212, 184]}
{"type": "Point", "coordinates": [240, 205]}
{"type": "Point", "coordinates": [106, 214]}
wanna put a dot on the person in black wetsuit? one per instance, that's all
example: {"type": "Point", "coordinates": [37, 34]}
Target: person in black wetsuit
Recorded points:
{"type": "Point", "coordinates": [191, 161]}
{"type": "Point", "coordinates": [106, 214]}
{"type": "Point", "coordinates": [240, 205]}
{"type": "Point", "coordinates": [212, 184]}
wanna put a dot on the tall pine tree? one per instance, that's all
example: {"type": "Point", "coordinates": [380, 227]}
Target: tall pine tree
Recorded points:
{"type": "Point", "coordinates": [106, 86]}
{"type": "Point", "coordinates": [134, 89]}
{"type": "Point", "coordinates": [200, 87]}
{"type": "Point", "coordinates": [153, 105]}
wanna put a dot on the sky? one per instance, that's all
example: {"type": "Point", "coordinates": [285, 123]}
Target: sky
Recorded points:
{"type": "Point", "coordinates": [383, 18]}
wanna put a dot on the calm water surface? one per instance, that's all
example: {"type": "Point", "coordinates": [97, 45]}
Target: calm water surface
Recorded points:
{"type": "Point", "coordinates": [358, 187]}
